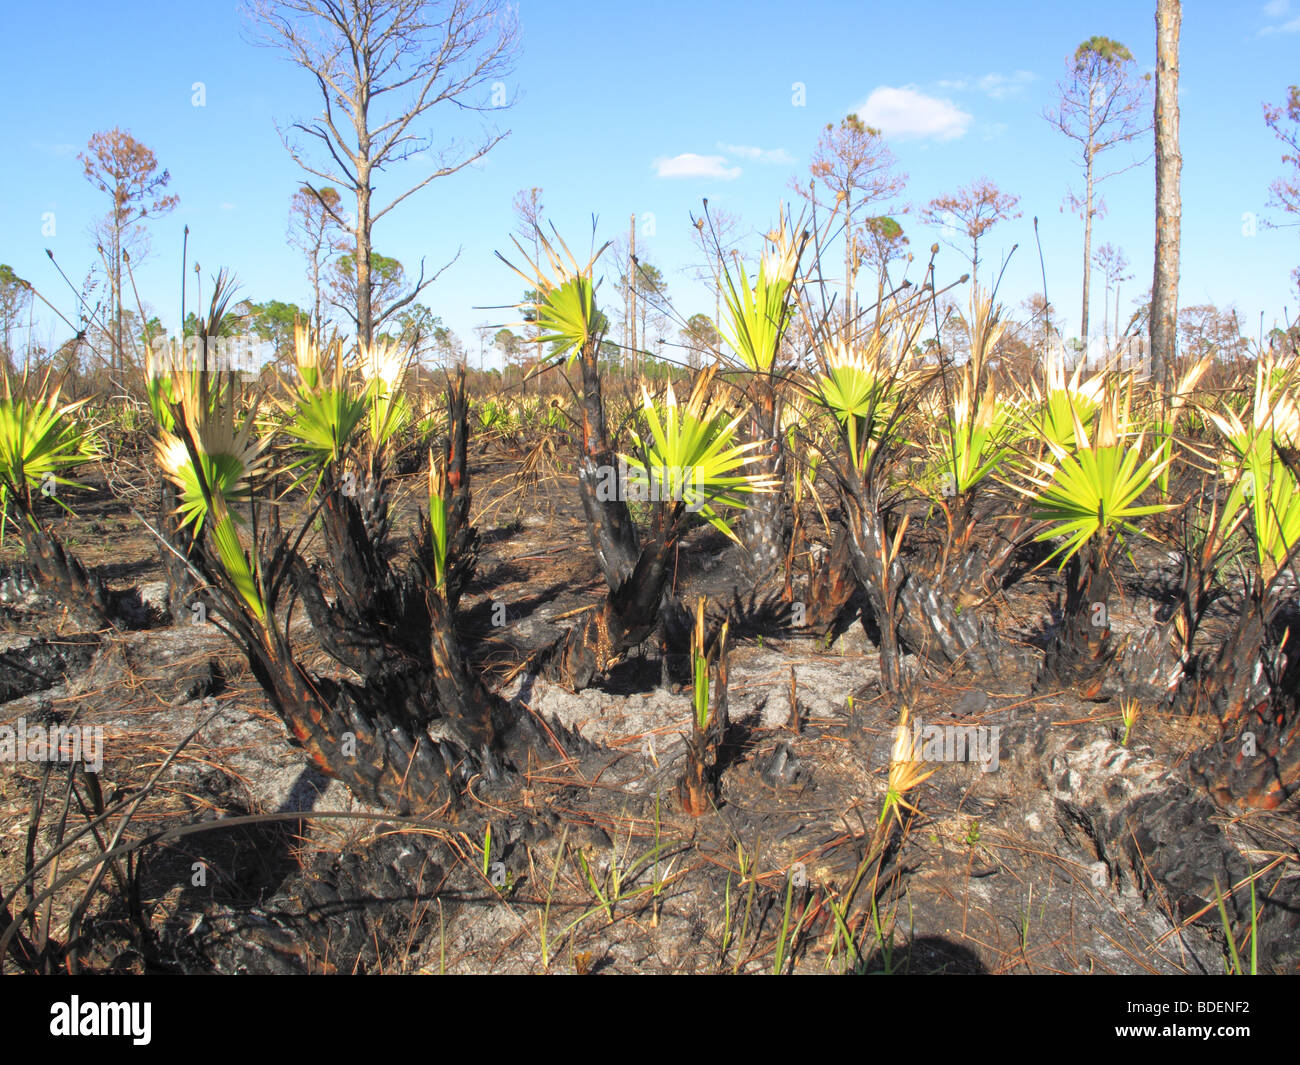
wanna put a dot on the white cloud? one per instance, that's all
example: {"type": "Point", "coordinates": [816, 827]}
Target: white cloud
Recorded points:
{"type": "Point", "coordinates": [227, 206]}
{"type": "Point", "coordinates": [1001, 86]}
{"type": "Point", "coordinates": [996, 86]}
{"type": "Point", "coordinates": [774, 156]}
{"type": "Point", "coordinates": [690, 165]}
{"type": "Point", "coordinates": [907, 112]}
{"type": "Point", "coordinates": [1276, 9]}
{"type": "Point", "coordinates": [1286, 27]}
{"type": "Point", "coordinates": [60, 150]}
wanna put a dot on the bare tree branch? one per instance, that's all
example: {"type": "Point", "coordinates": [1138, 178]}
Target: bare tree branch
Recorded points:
{"type": "Point", "coordinates": [408, 55]}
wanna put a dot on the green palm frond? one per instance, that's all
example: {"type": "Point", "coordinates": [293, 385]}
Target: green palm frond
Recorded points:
{"type": "Point", "coordinates": [225, 538]}
{"type": "Point", "coordinates": [757, 315]}
{"type": "Point", "coordinates": [689, 454]}
{"type": "Point", "coordinates": [323, 424]}
{"type": "Point", "coordinates": [565, 309]}
{"type": "Point", "coordinates": [1053, 410]}
{"type": "Point", "coordinates": [861, 385]}
{"type": "Point", "coordinates": [382, 368]}
{"type": "Point", "coordinates": [438, 504]}
{"type": "Point", "coordinates": [973, 444]}
{"type": "Point", "coordinates": [214, 458]}
{"type": "Point", "coordinates": [215, 453]}
{"type": "Point", "coordinates": [40, 439]}
{"type": "Point", "coordinates": [1091, 488]}
{"type": "Point", "coordinates": [1260, 482]}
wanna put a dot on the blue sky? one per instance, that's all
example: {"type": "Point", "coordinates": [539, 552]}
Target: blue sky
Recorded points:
{"type": "Point", "coordinates": [645, 109]}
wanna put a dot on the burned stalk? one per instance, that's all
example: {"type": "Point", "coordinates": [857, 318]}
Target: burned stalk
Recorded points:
{"type": "Point", "coordinates": [419, 724]}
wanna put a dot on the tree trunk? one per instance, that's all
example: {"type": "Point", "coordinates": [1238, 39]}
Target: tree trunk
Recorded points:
{"type": "Point", "coordinates": [1087, 253]}
{"type": "Point", "coordinates": [1117, 317]}
{"type": "Point", "coordinates": [848, 270]}
{"type": "Point", "coordinates": [1169, 168]}
{"type": "Point", "coordinates": [631, 295]}
{"type": "Point", "coordinates": [116, 360]}
{"type": "Point", "coordinates": [1080, 653]}
{"type": "Point", "coordinates": [364, 325]}
{"type": "Point", "coordinates": [636, 575]}
{"type": "Point", "coordinates": [766, 525]}
{"type": "Point", "coordinates": [915, 615]}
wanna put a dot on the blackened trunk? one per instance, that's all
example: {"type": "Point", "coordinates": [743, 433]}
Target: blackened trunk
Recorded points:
{"type": "Point", "coordinates": [636, 575]}
{"type": "Point", "coordinates": [626, 618]}
{"type": "Point", "coordinates": [765, 528]}
{"type": "Point", "coordinates": [383, 764]}
{"type": "Point", "coordinates": [609, 522]}
{"type": "Point", "coordinates": [1251, 686]}
{"type": "Point", "coordinates": [1081, 650]}
{"type": "Point", "coordinates": [61, 573]}
{"type": "Point", "coordinates": [175, 554]}
{"type": "Point", "coordinates": [915, 615]}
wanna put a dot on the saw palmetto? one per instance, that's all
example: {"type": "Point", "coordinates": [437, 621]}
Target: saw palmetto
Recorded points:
{"type": "Point", "coordinates": [975, 437]}
{"type": "Point", "coordinates": [382, 368]}
{"type": "Point", "coordinates": [861, 384]}
{"type": "Point", "coordinates": [40, 440]}
{"type": "Point", "coordinates": [214, 457]}
{"type": "Point", "coordinates": [688, 453]}
{"type": "Point", "coordinates": [1090, 488]}
{"type": "Point", "coordinates": [325, 411]}
{"type": "Point", "coordinates": [757, 315]}
{"type": "Point", "coordinates": [563, 306]}
{"type": "Point", "coordinates": [1261, 482]}
{"type": "Point", "coordinates": [1064, 401]}
{"type": "Point", "coordinates": [906, 772]}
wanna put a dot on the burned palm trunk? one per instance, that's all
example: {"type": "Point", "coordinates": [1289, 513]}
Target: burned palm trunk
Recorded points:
{"type": "Point", "coordinates": [1255, 763]}
{"type": "Point", "coordinates": [1241, 677]}
{"type": "Point", "coordinates": [389, 652]}
{"type": "Point", "coordinates": [1080, 652]}
{"type": "Point", "coordinates": [420, 723]}
{"type": "Point", "coordinates": [915, 615]}
{"type": "Point", "coordinates": [463, 701]}
{"type": "Point", "coordinates": [1252, 686]}
{"type": "Point", "coordinates": [354, 542]}
{"type": "Point", "coordinates": [385, 764]}
{"type": "Point", "coordinates": [636, 575]}
{"type": "Point", "coordinates": [831, 584]}
{"type": "Point", "coordinates": [61, 574]}
{"type": "Point", "coordinates": [626, 618]}
{"type": "Point", "coordinates": [765, 530]}
{"type": "Point", "coordinates": [175, 551]}
{"type": "Point", "coordinates": [1157, 663]}
{"type": "Point", "coordinates": [408, 739]}
{"type": "Point", "coordinates": [609, 522]}
{"type": "Point", "coordinates": [1147, 665]}
{"type": "Point", "coordinates": [974, 567]}
{"type": "Point", "coordinates": [462, 537]}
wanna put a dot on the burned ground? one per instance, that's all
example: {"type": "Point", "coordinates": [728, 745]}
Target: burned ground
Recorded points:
{"type": "Point", "coordinates": [1077, 853]}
